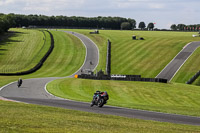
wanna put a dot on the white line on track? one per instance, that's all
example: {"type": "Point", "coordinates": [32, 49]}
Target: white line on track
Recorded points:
{"type": "Point", "coordinates": [182, 64]}
{"type": "Point", "coordinates": [173, 60]}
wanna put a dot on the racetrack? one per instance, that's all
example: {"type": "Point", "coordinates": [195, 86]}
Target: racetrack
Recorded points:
{"type": "Point", "coordinates": [172, 68]}
{"type": "Point", "coordinates": [33, 91]}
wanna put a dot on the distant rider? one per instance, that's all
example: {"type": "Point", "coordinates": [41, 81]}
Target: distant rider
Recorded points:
{"type": "Point", "coordinates": [19, 82]}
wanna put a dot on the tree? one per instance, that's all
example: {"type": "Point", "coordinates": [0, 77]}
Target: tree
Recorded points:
{"type": "Point", "coordinates": [142, 25]}
{"type": "Point", "coordinates": [125, 26]}
{"type": "Point", "coordinates": [173, 27]}
{"type": "Point", "coordinates": [6, 22]}
{"type": "Point", "coordinates": [150, 26]}
{"type": "Point", "coordinates": [180, 26]}
{"type": "Point", "coordinates": [132, 22]}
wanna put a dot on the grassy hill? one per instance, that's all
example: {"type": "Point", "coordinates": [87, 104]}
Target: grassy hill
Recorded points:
{"type": "Point", "coordinates": [67, 57]}
{"type": "Point", "coordinates": [18, 52]}
{"type": "Point", "coordinates": [147, 57]}
{"type": "Point", "coordinates": [144, 57]}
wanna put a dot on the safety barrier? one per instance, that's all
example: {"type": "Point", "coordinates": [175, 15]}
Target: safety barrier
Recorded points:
{"type": "Point", "coordinates": [193, 78]}
{"type": "Point", "coordinates": [126, 78]}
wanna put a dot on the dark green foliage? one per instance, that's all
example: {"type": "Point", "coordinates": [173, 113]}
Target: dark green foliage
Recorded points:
{"type": "Point", "coordinates": [6, 22]}
{"type": "Point", "coordinates": [132, 22]}
{"type": "Point", "coordinates": [142, 25]}
{"type": "Point", "coordinates": [180, 26]}
{"type": "Point", "coordinates": [173, 27]}
{"type": "Point", "coordinates": [183, 27]}
{"type": "Point", "coordinates": [18, 20]}
{"type": "Point", "coordinates": [125, 26]}
{"type": "Point", "coordinates": [73, 21]}
{"type": "Point", "coordinates": [150, 26]}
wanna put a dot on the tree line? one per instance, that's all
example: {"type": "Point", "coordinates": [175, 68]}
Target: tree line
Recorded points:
{"type": "Point", "coordinates": [142, 26]}
{"type": "Point", "coordinates": [183, 27]}
{"type": "Point", "coordinates": [19, 20]}
{"type": "Point", "coordinates": [6, 22]}
{"type": "Point", "coordinates": [116, 23]}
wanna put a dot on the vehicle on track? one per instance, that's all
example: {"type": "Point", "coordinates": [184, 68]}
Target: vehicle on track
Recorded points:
{"type": "Point", "coordinates": [19, 82]}
{"type": "Point", "coordinates": [99, 98]}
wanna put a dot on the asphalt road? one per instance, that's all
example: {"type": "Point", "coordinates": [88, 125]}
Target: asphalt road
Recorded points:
{"type": "Point", "coordinates": [92, 53]}
{"type": "Point", "coordinates": [33, 91]}
{"type": "Point", "coordinates": [173, 67]}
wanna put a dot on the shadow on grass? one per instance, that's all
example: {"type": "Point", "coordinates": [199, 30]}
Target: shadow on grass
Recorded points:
{"type": "Point", "coordinates": [2, 49]}
{"type": "Point", "coordinates": [6, 38]}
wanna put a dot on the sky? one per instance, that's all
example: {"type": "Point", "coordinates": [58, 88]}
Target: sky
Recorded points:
{"type": "Point", "coordinates": [162, 12]}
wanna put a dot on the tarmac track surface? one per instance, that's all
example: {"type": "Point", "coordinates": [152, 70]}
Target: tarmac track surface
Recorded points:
{"type": "Point", "coordinates": [172, 68]}
{"type": "Point", "coordinates": [33, 91]}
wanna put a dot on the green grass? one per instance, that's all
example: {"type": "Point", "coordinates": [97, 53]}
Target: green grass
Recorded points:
{"type": "Point", "coordinates": [18, 52]}
{"type": "Point", "coordinates": [19, 117]}
{"type": "Point", "coordinates": [197, 81]}
{"type": "Point", "coordinates": [140, 57]}
{"type": "Point", "coordinates": [146, 57]}
{"type": "Point", "coordinates": [67, 57]}
{"type": "Point", "coordinates": [169, 98]}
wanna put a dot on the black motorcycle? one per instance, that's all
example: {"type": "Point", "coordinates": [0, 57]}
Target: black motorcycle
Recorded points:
{"type": "Point", "coordinates": [99, 99]}
{"type": "Point", "coordinates": [19, 83]}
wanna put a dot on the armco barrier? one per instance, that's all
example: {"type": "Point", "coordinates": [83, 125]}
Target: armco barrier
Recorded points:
{"type": "Point", "coordinates": [193, 78]}
{"type": "Point", "coordinates": [39, 65]}
{"type": "Point", "coordinates": [130, 78]}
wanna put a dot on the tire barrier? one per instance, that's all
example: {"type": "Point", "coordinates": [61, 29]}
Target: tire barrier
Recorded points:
{"type": "Point", "coordinates": [39, 65]}
{"type": "Point", "coordinates": [193, 78]}
{"type": "Point", "coordinates": [125, 78]}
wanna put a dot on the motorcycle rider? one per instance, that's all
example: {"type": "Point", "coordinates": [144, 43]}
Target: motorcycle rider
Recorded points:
{"type": "Point", "coordinates": [97, 95]}
{"type": "Point", "coordinates": [19, 82]}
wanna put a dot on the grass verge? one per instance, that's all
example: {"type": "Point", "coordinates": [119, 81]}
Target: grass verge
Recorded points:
{"type": "Point", "coordinates": [19, 117]}
{"type": "Point", "coordinates": [189, 69]}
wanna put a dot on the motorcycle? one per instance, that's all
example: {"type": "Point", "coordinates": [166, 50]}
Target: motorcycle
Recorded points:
{"type": "Point", "coordinates": [19, 83]}
{"type": "Point", "coordinates": [99, 99]}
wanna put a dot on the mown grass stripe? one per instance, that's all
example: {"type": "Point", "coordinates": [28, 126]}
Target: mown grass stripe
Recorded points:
{"type": "Point", "coordinates": [130, 60]}
{"type": "Point", "coordinates": [169, 98]}
{"type": "Point", "coordinates": [67, 57]}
